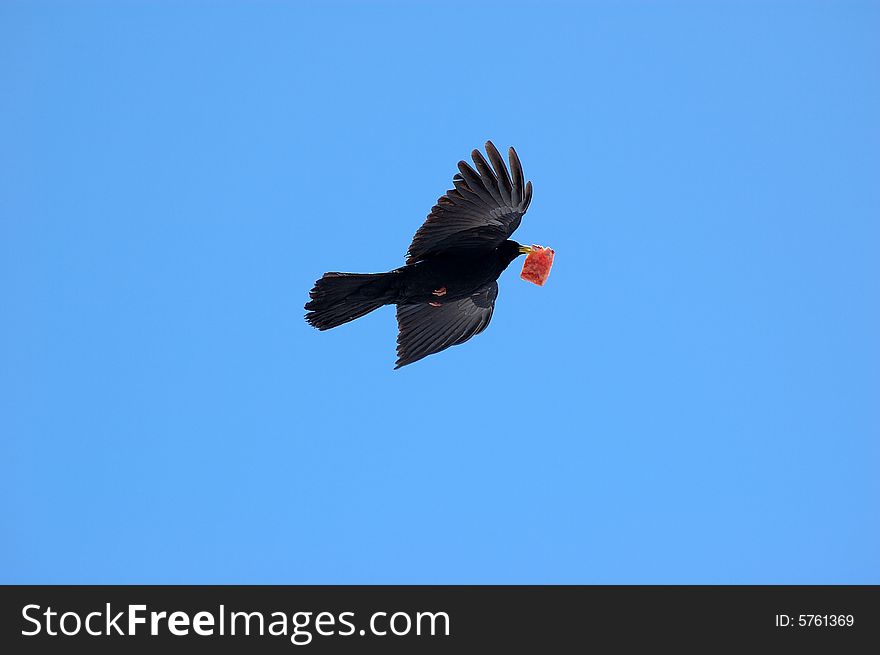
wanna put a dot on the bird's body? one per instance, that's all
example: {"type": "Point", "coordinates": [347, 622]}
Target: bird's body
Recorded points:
{"type": "Point", "coordinates": [461, 274]}
{"type": "Point", "coordinates": [445, 293]}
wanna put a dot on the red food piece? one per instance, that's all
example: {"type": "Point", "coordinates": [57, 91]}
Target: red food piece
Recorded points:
{"type": "Point", "coordinates": [536, 268]}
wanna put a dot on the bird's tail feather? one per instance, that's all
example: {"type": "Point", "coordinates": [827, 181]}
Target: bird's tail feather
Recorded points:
{"type": "Point", "coordinates": [338, 298]}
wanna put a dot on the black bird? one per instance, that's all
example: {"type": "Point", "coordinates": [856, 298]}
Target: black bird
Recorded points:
{"type": "Point", "coordinates": [446, 292]}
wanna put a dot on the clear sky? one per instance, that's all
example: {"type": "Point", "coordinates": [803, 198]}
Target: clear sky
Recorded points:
{"type": "Point", "coordinates": [692, 398]}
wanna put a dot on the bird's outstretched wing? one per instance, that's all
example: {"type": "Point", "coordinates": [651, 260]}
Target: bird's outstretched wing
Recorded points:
{"type": "Point", "coordinates": [483, 209]}
{"type": "Point", "coordinates": [425, 330]}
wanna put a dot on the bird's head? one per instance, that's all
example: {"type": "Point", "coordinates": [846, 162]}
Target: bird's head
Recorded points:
{"type": "Point", "coordinates": [510, 250]}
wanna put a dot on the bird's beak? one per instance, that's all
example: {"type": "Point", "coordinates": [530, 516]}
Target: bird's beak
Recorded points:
{"type": "Point", "coordinates": [525, 250]}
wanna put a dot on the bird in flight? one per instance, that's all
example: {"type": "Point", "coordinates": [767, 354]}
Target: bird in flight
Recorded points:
{"type": "Point", "coordinates": [445, 293]}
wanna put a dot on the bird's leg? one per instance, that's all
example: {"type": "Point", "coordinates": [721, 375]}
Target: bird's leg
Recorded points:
{"type": "Point", "coordinates": [439, 292]}
{"type": "Point", "coordinates": [434, 304]}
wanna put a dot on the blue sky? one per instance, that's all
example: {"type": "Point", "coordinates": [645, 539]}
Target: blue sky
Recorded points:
{"type": "Point", "coordinates": [174, 176]}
